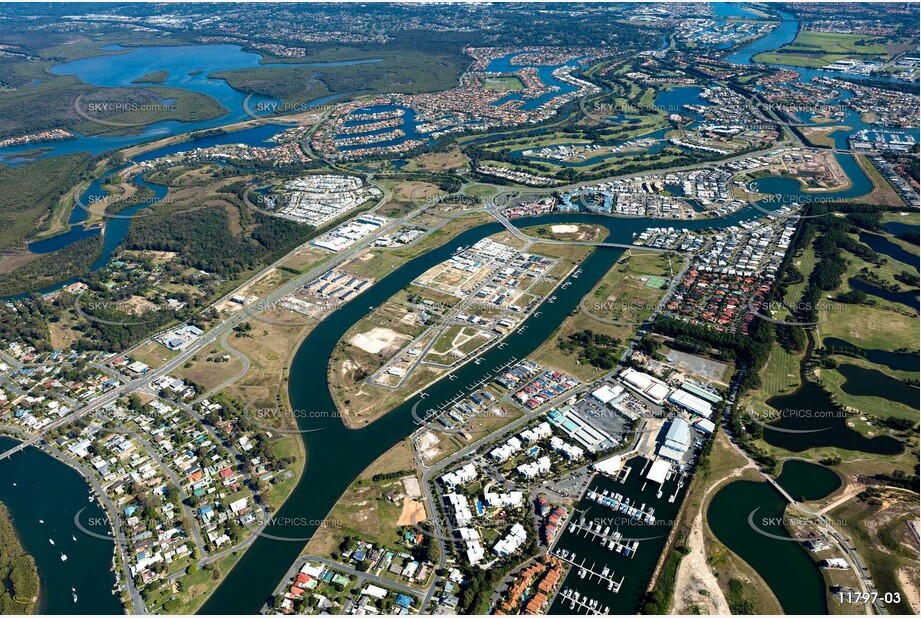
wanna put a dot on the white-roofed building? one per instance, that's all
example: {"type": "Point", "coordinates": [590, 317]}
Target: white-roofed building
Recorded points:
{"type": "Point", "coordinates": [471, 539]}
{"type": "Point", "coordinates": [677, 440]}
{"type": "Point", "coordinates": [540, 432]}
{"type": "Point", "coordinates": [691, 403]}
{"type": "Point", "coordinates": [705, 426]}
{"type": "Point", "coordinates": [374, 591]}
{"type": "Point", "coordinates": [606, 394]}
{"type": "Point", "coordinates": [462, 513]}
{"type": "Point", "coordinates": [610, 466]}
{"type": "Point", "coordinates": [568, 450]}
{"type": "Point", "coordinates": [649, 387]}
{"type": "Point", "coordinates": [512, 499]}
{"type": "Point", "coordinates": [502, 453]}
{"type": "Point", "coordinates": [511, 542]}
{"type": "Point", "coordinates": [461, 476]}
{"type": "Point", "coordinates": [658, 471]}
{"type": "Point", "coordinates": [532, 469]}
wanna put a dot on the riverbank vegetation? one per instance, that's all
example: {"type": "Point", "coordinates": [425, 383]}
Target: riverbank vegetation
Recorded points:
{"type": "Point", "coordinates": [19, 581]}
{"type": "Point", "coordinates": [52, 268]}
{"type": "Point", "coordinates": [32, 193]}
{"type": "Point", "coordinates": [372, 507]}
{"type": "Point", "coordinates": [154, 77]}
{"type": "Point", "coordinates": [410, 66]}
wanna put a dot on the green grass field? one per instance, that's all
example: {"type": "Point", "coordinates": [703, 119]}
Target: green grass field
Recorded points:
{"type": "Point", "coordinates": [835, 43]}
{"type": "Point", "coordinates": [503, 84]}
{"type": "Point", "coordinates": [799, 60]}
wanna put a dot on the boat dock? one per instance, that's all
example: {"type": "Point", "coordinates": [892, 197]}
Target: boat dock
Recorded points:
{"type": "Point", "coordinates": [591, 606]}
{"type": "Point", "coordinates": [671, 474]}
{"type": "Point", "coordinates": [604, 576]}
{"type": "Point", "coordinates": [622, 504]}
{"type": "Point", "coordinates": [612, 540]}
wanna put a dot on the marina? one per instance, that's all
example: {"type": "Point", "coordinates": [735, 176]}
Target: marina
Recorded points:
{"type": "Point", "coordinates": [622, 504]}
{"type": "Point", "coordinates": [605, 575]}
{"type": "Point", "coordinates": [612, 540]}
{"type": "Point", "coordinates": [577, 601]}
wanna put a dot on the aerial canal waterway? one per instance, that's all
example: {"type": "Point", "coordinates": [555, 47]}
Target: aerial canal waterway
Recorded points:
{"type": "Point", "coordinates": [784, 564]}
{"type": "Point", "coordinates": [43, 495]}
{"type": "Point", "coordinates": [337, 455]}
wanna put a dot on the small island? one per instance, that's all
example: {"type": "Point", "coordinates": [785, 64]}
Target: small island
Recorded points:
{"type": "Point", "coordinates": [18, 574]}
{"type": "Point", "coordinates": [154, 77]}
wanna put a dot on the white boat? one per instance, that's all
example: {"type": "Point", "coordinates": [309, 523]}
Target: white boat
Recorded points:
{"type": "Point", "coordinates": [74, 538]}
{"type": "Point", "coordinates": [51, 541]}
{"type": "Point", "coordinates": [63, 557]}
{"type": "Point", "coordinates": [14, 484]}
{"type": "Point", "coordinates": [75, 596]}
{"type": "Point", "coordinates": [41, 521]}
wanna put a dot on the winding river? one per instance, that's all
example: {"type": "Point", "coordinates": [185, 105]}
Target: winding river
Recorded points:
{"type": "Point", "coordinates": [337, 455]}
{"type": "Point", "coordinates": [43, 496]}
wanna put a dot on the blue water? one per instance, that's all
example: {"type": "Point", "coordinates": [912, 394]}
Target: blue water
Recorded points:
{"type": "Point", "coordinates": [504, 65]}
{"type": "Point", "coordinates": [909, 298]}
{"type": "Point", "coordinates": [883, 245]}
{"type": "Point", "coordinates": [46, 489]}
{"type": "Point", "coordinates": [116, 229]}
{"type": "Point", "coordinates": [897, 227]}
{"type": "Point", "coordinates": [725, 9]}
{"type": "Point", "coordinates": [673, 100]}
{"type": "Point", "coordinates": [860, 184]}
{"type": "Point", "coordinates": [408, 126]}
{"type": "Point", "coordinates": [119, 70]}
